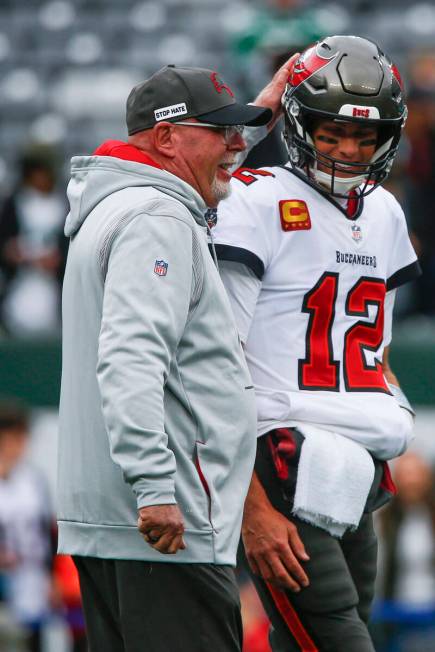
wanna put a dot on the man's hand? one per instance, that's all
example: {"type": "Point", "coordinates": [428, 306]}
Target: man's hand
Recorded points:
{"type": "Point", "coordinates": [270, 96]}
{"type": "Point", "coordinates": [272, 544]}
{"type": "Point", "coordinates": [162, 527]}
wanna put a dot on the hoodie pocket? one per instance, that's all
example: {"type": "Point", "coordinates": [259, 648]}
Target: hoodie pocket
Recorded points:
{"type": "Point", "coordinates": [202, 477]}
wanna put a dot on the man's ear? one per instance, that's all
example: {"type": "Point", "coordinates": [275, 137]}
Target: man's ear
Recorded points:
{"type": "Point", "coordinates": [164, 139]}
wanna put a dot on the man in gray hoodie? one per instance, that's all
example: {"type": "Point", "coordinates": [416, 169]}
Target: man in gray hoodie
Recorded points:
{"type": "Point", "coordinates": [157, 415]}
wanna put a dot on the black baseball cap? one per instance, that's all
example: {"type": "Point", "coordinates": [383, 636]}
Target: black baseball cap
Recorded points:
{"type": "Point", "coordinates": [175, 93]}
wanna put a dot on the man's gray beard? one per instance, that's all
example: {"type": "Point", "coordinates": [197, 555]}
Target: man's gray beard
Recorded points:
{"type": "Point", "coordinates": [221, 190]}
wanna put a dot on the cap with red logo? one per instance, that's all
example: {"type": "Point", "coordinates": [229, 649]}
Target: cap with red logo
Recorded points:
{"type": "Point", "coordinates": [175, 93]}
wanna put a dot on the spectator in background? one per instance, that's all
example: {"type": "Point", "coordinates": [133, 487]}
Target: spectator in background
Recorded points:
{"type": "Point", "coordinates": [420, 130]}
{"type": "Point", "coordinates": [255, 621]}
{"type": "Point", "coordinates": [68, 586]}
{"type": "Point", "coordinates": [407, 612]}
{"type": "Point", "coordinates": [32, 248]}
{"type": "Point", "coordinates": [25, 529]}
{"type": "Point", "coordinates": [261, 45]}
{"type": "Point", "coordinates": [271, 32]}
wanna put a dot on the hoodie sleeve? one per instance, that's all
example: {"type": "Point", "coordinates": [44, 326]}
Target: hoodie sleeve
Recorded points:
{"type": "Point", "coordinates": [145, 307]}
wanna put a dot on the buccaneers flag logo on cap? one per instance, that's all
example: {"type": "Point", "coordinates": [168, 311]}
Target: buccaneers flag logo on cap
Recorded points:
{"type": "Point", "coordinates": [294, 215]}
{"type": "Point", "coordinates": [219, 85]}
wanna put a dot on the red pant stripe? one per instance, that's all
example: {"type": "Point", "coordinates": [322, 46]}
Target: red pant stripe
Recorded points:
{"type": "Point", "coordinates": [291, 619]}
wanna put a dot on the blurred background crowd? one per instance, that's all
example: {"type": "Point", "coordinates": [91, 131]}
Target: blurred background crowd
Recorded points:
{"type": "Point", "coordinates": [66, 68]}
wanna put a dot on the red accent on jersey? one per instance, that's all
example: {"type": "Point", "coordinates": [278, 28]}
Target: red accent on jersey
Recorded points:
{"type": "Point", "coordinates": [248, 175]}
{"type": "Point", "coordinates": [398, 76]}
{"type": "Point", "coordinates": [294, 215]}
{"type": "Point", "coordinates": [352, 204]}
{"type": "Point", "coordinates": [220, 86]}
{"type": "Point", "coordinates": [319, 370]}
{"type": "Point", "coordinates": [364, 336]}
{"type": "Point", "coordinates": [307, 64]}
{"type": "Point", "coordinates": [124, 151]}
{"type": "Point", "coordinates": [292, 620]}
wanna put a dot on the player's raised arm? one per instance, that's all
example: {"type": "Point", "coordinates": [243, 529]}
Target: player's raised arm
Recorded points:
{"type": "Point", "coordinates": [271, 95]}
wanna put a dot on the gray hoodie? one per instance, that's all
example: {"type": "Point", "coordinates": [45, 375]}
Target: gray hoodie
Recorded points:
{"type": "Point", "coordinates": [157, 405]}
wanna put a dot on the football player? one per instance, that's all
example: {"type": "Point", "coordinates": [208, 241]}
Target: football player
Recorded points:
{"type": "Point", "coordinates": [311, 254]}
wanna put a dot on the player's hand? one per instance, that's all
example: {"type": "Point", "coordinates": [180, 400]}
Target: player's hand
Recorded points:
{"type": "Point", "coordinates": [162, 527]}
{"type": "Point", "coordinates": [274, 549]}
{"type": "Point", "coordinates": [270, 96]}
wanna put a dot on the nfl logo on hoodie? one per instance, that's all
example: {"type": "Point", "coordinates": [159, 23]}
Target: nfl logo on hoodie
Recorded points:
{"type": "Point", "coordinates": [160, 268]}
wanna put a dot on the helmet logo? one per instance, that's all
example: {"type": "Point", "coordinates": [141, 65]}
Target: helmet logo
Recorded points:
{"type": "Point", "coordinates": [354, 111]}
{"type": "Point", "coordinates": [309, 62]}
{"type": "Point", "coordinates": [360, 113]}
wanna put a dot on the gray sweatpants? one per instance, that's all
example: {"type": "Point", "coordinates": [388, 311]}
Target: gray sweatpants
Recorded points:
{"type": "Point", "coordinates": [138, 606]}
{"type": "Point", "coordinates": [331, 614]}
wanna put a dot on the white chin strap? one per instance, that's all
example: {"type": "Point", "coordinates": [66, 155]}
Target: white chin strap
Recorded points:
{"type": "Point", "coordinates": [342, 185]}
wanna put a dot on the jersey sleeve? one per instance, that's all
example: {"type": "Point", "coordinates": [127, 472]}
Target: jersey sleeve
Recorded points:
{"type": "Point", "coordinates": [388, 316]}
{"type": "Point", "coordinates": [243, 288]}
{"type": "Point", "coordinates": [403, 264]}
{"type": "Point", "coordinates": [244, 220]}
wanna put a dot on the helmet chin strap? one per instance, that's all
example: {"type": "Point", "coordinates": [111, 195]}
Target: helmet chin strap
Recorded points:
{"type": "Point", "coordinates": [342, 185]}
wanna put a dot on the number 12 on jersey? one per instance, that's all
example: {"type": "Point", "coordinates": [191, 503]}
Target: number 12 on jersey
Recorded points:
{"type": "Point", "coordinates": [319, 370]}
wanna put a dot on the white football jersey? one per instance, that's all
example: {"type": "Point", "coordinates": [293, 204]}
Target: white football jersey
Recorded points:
{"type": "Point", "coordinates": [314, 326]}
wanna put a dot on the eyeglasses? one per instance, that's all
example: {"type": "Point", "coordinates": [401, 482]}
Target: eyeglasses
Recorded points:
{"type": "Point", "coordinates": [229, 132]}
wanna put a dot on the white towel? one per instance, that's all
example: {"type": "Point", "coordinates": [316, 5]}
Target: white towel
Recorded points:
{"type": "Point", "coordinates": [334, 479]}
